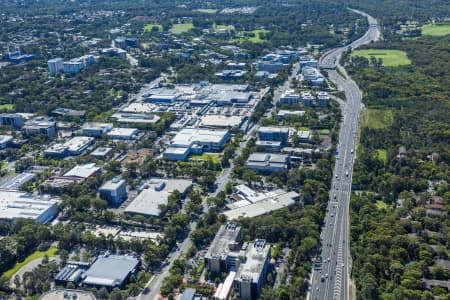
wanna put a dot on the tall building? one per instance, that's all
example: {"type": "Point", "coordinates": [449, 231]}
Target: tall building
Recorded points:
{"type": "Point", "coordinates": [73, 66]}
{"type": "Point", "coordinates": [55, 65]}
{"type": "Point", "coordinates": [225, 248]}
{"type": "Point", "coordinates": [252, 271]}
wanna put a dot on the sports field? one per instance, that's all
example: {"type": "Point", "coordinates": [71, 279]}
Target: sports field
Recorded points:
{"type": "Point", "coordinates": [149, 27]}
{"type": "Point", "coordinates": [207, 10]}
{"type": "Point", "coordinates": [390, 58]}
{"type": "Point", "coordinates": [181, 28]}
{"type": "Point", "coordinates": [436, 29]}
{"type": "Point", "coordinates": [251, 36]}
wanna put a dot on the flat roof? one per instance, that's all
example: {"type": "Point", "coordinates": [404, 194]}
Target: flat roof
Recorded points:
{"type": "Point", "coordinates": [78, 142]}
{"type": "Point", "coordinates": [118, 132]}
{"type": "Point", "coordinates": [14, 204]}
{"type": "Point", "coordinates": [226, 235]}
{"type": "Point", "coordinates": [113, 184]}
{"type": "Point", "coordinates": [110, 270]}
{"type": "Point", "coordinates": [188, 136]}
{"type": "Point", "coordinates": [6, 138]}
{"type": "Point", "coordinates": [131, 117]}
{"type": "Point", "coordinates": [256, 255]}
{"type": "Point", "coordinates": [221, 121]}
{"type": "Point", "coordinates": [63, 294]}
{"type": "Point", "coordinates": [271, 129]}
{"type": "Point", "coordinates": [97, 126]}
{"type": "Point", "coordinates": [155, 193]}
{"type": "Point", "coordinates": [277, 200]}
{"type": "Point", "coordinates": [101, 151]}
{"type": "Point", "coordinates": [15, 181]}
{"type": "Point", "coordinates": [83, 171]}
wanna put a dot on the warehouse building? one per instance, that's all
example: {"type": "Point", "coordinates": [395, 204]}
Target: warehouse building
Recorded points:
{"type": "Point", "coordinates": [155, 193]}
{"type": "Point", "coordinates": [111, 271]}
{"type": "Point", "coordinates": [224, 249]}
{"type": "Point", "coordinates": [14, 204]}
{"type": "Point", "coordinates": [268, 162]}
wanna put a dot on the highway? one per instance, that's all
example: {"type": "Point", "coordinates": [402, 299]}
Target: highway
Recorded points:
{"type": "Point", "coordinates": [330, 276]}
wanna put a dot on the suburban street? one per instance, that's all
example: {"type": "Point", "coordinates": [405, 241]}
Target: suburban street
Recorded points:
{"type": "Point", "coordinates": [331, 275]}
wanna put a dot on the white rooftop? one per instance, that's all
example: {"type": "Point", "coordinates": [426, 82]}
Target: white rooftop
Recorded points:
{"type": "Point", "coordinates": [188, 136]}
{"type": "Point", "coordinates": [122, 132]}
{"type": "Point", "coordinates": [14, 204]}
{"type": "Point", "coordinates": [83, 171]}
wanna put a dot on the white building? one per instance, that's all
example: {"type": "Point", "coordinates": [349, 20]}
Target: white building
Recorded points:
{"type": "Point", "coordinates": [15, 205]}
{"type": "Point", "coordinates": [114, 191]}
{"type": "Point", "coordinates": [55, 65]}
{"type": "Point", "coordinates": [123, 133]}
{"type": "Point", "coordinates": [96, 129]}
{"type": "Point", "coordinates": [5, 141]}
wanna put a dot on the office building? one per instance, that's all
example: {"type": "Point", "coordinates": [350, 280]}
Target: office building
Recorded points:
{"type": "Point", "coordinates": [73, 66]}
{"type": "Point", "coordinates": [123, 133]}
{"type": "Point", "coordinates": [250, 276]}
{"type": "Point", "coordinates": [14, 120]}
{"type": "Point", "coordinates": [114, 191]}
{"type": "Point", "coordinates": [55, 65]}
{"type": "Point", "coordinates": [155, 193]}
{"type": "Point", "coordinates": [323, 99]}
{"type": "Point", "coordinates": [40, 125]}
{"type": "Point", "coordinates": [308, 62]}
{"type": "Point", "coordinates": [224, 249]}
{"type": "Point", "coordinates": [66, 112]}
{"type": "Point", "coordinates": [14, 204]}
{"type": "Point", "coordinates": [83, 171]}
{"type": "Point", "coordinates": [144, 118]}
{"type": "Point", "coordinates": [268, 162]}
{"type": "Point", "coordinates": [102, 152]}
{"type": "Point", "coordinates": [96, 129]}
{"type": "Point", "coordinates": [75, 146]}
{"type": "Point", "coordinates": [114, 52]}
{"type": "Point", "coordinates": [290, 97]}
{"type": "Point", "coordinates": [304, 136]}
{"type": "Point", "coordinates": [268, 146]}
{"type": "Point", "coordinates": [196, 141]}
{"type": "Point", "coordinates": [111, 271]}
{"type": "Point", "coordinates": [278, 134]}
{"type": "Point", "coordinates": [270, 66]}
{"type": "Point", "coordinates": [5, 141]}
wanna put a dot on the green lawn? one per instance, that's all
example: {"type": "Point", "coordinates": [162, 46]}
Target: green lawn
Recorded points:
{"type": "Point", "coordinates": [381, 205]}
{"type": "Point", "coordinates": [382, 154]}
{"type": "Point", "coordinates": [6, 107]}
{"type": "Point", "coordinates": [51, 252]}
{"type": "Point", "coordinates": [228, 27]}
{"type": "Point", "coordinates": [181, 28]}
{"type": "Point", "coordinates": [377, 118]}
{"type": "Point", "coordinates": [436, 30]}
{"type": "Point", "coordinates": [324, 131]}
{"type": "Point", "coordinates": [390, 58]}
{"type": "Point", "coordinates": [149, 27]}
{"type": "Point", "coordinates": [251, 36]}
{"type": "Point", "coordinates": [205, 156]}
{"type": "Point", "coordinates": [207, 10]}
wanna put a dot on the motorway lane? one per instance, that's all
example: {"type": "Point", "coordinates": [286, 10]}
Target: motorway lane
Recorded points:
{"type": "Point", "coordinates": [335, 233]}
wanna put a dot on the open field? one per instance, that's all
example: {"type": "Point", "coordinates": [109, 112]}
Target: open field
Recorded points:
{"type": "Point", "coordinates": [7, 107]}
{"type": "Point", "coordinates": [149, 27]}
{"type": "Point", "coordinates": [181, 28]}
{"type": "Point", "coordinates": [377, 118]}
{"type": "Point", "coordinates": [227, 27]}
{"type": "Point", "coordinates": [390, 58]}
{"type": "Point", "coordinates": [207, 10]}
{"type": "Point", "coordinates": [251, 36]}
{"type": "Point", "coordinates": [37, 254]}
{"type": "Point", "coordinates": [436, 30]}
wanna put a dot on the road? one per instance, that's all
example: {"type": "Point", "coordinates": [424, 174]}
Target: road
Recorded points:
{"type": "Point", "coordinates": [331, 277]}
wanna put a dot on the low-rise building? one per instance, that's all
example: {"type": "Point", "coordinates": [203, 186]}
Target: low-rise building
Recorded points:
{"type": "Point", "coordinates": [14, 120]}
{"type": "Point", "coordinates": [155, 193]}
{"type": "Point", "coordinates": [251, 274]}
{"type": "Point", "coordinates": [279, 134]}
{"type": "Point", "coordinates": [13, 182]}
{"type": "Point", "coordinates": [270, 66]}
{"type": "Point", "coordinates": [224, 249]}
{"type": "Point", "coordinates": [102, 152]}
{"type": "Point", "coordinates": [5, 141]}
{"type": "Point", "coordinates": [40, 125]}
{"type": "Point", "coordinates": [323, 99]}
{"type": "Point", "coordinates": [111, 271]}
{"type": "Point", "coordinates": [290, 97]}
{"type": "Point", "coordinates": [268, 162]}
{"type": "Point", "coordinates": [114, 191]}
{"type": "Point", "coordinates": [96, 129]}
{"type": "Point", "coordinates": [66, 112]}
{"type": "Point", "coordinates": [14, 204]}
{"type": "Point", "coordinates": [75, 146]}
{"type": "Point", "coordinates": [123, 133]}
{"type": "Point", "coordinates": [65, 294]}
{"type": "Point", "coordinates": [144, 118]}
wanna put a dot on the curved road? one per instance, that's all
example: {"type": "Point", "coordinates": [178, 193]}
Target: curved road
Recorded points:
{"type": "Point", "coordinates": [331, 276]}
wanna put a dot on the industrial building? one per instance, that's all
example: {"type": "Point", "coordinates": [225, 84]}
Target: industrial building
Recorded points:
{"type": "Point", "coordinates": [71, 272]}
{"type": "Point", "coordinates": [14, 204]}
{"type": "Point", "coordinates": [114, 191]}
{"type": "Point", "coordinates": [111, 271]}
{"type": "Point", "coordinates": [251, 274]}
{"type": "Point", "coordinates": [196, 141]}
{"type": "Point", "coordinates": [123, 133]}
{"type": "Point", "coordinates": [13, 182]}
{"type": "Point", "coordinates": [14, 120]}
{"type": "Point", "coordinates": [268, 162]}
{"type": "Point", "coordinates": [224, 249]}
{"type": "Point", "coordinates": [154, 193]}
{"type": "Point", "coordinates": [5, 141]}
{"type": "Point", "coordinates": [96, 129]}
{"type": "Point", "coordinates": [40, 125]}
{"type": "Point", "coordinates": [250, 203]}
{"type": "Point", "coordinates": [75, 146]}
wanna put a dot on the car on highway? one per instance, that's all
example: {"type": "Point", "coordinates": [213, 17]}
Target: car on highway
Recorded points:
{"type": "Point", "coordinates": [351, 151]}
{"type": "Point", "coordinates": [346, 173]}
